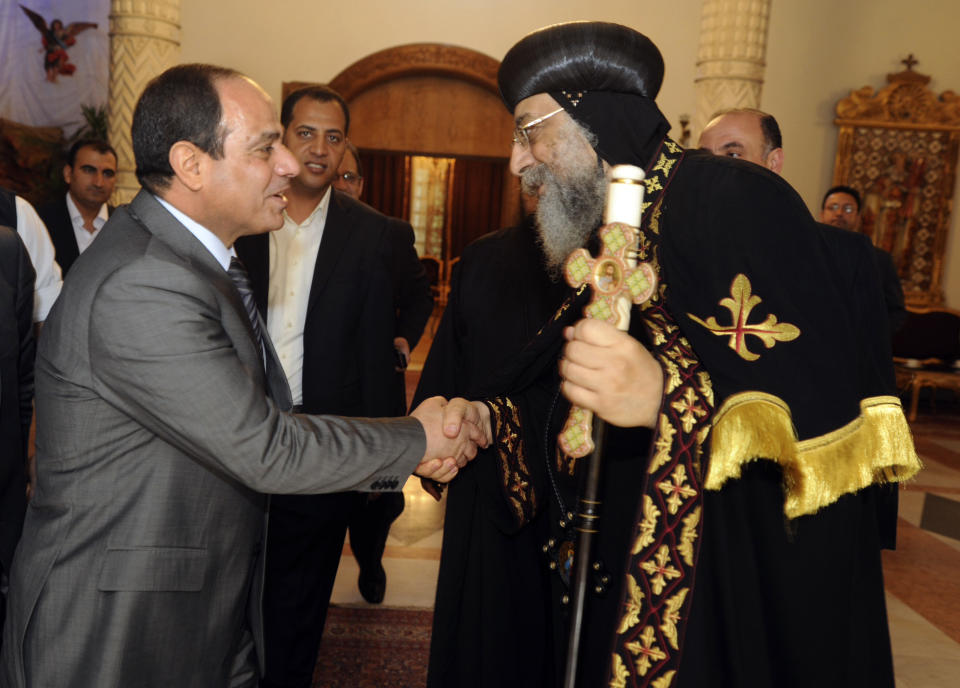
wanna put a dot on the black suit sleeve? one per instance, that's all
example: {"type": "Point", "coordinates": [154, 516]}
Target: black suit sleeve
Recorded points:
{"type": "Point", "coordinates": [26, 278]}
{"type": "Point", "coordinates": [414, 302]}
{"type": "Point", "coordinates": [19, 275]}
{"type": "Point", "coordinates": [16, 377]}
{"type": "Point", "coordinates": [379, 382]}
{"type": "Point", "coordinates": [892, 289]}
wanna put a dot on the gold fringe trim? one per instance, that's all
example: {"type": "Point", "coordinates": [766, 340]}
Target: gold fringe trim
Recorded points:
{"type": "Point", "coordinates": [875, 447]}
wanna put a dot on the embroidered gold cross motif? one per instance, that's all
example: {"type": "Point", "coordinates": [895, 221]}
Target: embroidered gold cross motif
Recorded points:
{"type": "Point", "coordinates": [664, 164]}
{"type": "Point", "coordinates": [740, 302]}
{"type": "Point", "coordinates": [661, 571]}
{"type": "Point", "coordinates": [689, 409]}
{"type": "Point", "coordinates": [612, 278]}
{"type": "Point", "coordinates": [646, 650]}
{"type": "Point", "coordinates": [678, 489]}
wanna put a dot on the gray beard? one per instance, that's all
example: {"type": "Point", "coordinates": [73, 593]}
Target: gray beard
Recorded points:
{"type": "Point", "coordinates": [569, 210]}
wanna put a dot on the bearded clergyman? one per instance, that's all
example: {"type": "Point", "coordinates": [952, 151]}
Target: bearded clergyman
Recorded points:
{"type": "Point", "coordinates": [750, 411]}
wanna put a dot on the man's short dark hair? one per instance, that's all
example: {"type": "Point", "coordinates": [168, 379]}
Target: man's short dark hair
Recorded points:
{"type": "Point", "coordinates": [182, 104]}
{"type": "Point", "coordinates": [356, 156]}
{"type": "Point", "coordinates": [772, 138]}
{"type": "Point", "coordinates": [849, 190]}
{"type": "Point", "coordinates": [321, 94]}
{"type": "Point", "coordinates": [99, 145]}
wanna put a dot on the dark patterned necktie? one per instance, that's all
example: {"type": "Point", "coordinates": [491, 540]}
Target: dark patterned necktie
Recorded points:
{"type": "Point", "coordinates": [241, 280]}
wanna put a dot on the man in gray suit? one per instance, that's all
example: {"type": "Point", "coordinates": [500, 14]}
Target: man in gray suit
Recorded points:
{"type": "Point", "coordinates": [160, 407]}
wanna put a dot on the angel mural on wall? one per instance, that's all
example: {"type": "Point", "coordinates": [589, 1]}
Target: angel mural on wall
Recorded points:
{"type": "Point", "coordinates": [56, 39]}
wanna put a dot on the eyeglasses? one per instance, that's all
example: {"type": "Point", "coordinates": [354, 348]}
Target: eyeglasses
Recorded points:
{"type": "Point", "coordinates": [847, 208]}
{"type": "Point", "coordinates": [351, 177]}
{"type": "Point", "coordinates": [520, 136]}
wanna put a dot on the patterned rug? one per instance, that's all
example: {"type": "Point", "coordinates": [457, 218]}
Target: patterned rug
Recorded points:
{"type": "Point", "coordinates": [377, 647]}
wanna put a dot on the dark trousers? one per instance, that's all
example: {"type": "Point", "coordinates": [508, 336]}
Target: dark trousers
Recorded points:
{"type": "Point", "coordinates": [370, 526]}
{"type": "Point", "coordinates": [304, 543]}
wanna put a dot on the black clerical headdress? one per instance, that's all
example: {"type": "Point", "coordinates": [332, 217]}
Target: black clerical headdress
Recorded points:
{"type": "Point", "coordinates": [581, 56]}
{"type": "Point", "coordinates": [604, 75]}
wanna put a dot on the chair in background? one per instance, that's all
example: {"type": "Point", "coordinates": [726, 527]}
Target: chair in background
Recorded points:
{"type": "Point", "coordinates": [926, 352]}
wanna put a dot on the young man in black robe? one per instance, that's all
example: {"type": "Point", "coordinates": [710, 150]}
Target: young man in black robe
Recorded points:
{"type": "Point", "coordinates": [740, 545]}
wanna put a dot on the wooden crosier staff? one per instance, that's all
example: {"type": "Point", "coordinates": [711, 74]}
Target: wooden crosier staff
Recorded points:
{"type": "Point", "coordinates": [618, 282]}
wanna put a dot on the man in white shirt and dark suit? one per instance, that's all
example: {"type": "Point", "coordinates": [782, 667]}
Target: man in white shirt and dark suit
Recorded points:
{"type": "Point", "coordinates": [324, 283]}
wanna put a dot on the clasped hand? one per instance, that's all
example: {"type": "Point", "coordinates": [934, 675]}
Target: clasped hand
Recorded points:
{"type": "Point", "coordinates": [454, 431]}
{"type": "Point", "coordinates": [610, 373]}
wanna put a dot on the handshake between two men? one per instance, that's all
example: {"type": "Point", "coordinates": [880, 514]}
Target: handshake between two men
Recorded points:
{"type": "Point", "coordinates": [603, 369]}
{"type": "Point", "coordinates": [454, 430]}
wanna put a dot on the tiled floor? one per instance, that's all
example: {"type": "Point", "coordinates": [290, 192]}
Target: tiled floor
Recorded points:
{"type": "Point", "coordinates": [922, 576]}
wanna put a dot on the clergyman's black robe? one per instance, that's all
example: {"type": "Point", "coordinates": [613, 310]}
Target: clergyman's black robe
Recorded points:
{"type": "Point", "coordinates": [778, 601]}
{"type": "Point", "coordinates": [490, 624]}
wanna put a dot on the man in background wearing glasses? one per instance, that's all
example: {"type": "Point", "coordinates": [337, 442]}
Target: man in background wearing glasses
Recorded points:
{"type": "Point", "coordinates": [413, 302]}
{"type": "Point", "coordinates": [323, 283]}
{"type": "Point", "coordinates": [841, 208]}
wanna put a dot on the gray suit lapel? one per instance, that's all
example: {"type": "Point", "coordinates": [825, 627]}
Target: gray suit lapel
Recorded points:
{"type": "Point", "coordinates": [148, 212]}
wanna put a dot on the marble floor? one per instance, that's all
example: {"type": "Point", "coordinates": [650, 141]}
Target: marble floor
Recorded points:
{"type": "Point", "coordinates": [922, 576]}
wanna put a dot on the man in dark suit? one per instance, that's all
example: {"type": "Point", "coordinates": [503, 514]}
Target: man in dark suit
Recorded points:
{"type": "Point", "coordinates": [163, 418]}
{"type": "Point", "coordinates": [841, 208]}
{"type": "Point", "coordinates": [75, 220]}
{"type": "Point", "coordinates": [16, 390]}
{"type": "Point", "coordinates": [324, 284]}
{"type": "Point", "coordinates": [413, 303]}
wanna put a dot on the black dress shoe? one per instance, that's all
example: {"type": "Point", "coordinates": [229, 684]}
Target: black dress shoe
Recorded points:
{"type": "Point", "coordinates": [373, 583]}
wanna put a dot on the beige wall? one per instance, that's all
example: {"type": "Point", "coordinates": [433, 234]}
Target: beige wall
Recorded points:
{"type": "Point", "coordinates": [817, 51]}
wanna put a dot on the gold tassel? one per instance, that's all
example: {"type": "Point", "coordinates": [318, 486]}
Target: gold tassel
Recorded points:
{"type": "Point", "coordinates": [876, 447]}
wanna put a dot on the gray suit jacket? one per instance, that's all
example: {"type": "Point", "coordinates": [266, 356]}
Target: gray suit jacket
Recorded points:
{"type": "Point", "coordinates": [157, 433]}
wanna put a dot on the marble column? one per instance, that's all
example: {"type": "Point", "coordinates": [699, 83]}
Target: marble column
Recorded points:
{"type": "Point", "coordinates": [144, 41]}
{"type": "Point", "coordinates": [731, 58]}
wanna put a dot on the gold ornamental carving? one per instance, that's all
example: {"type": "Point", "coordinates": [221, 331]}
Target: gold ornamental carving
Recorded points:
{"type": "Point", "coordinates": [905, 101]}
{"type": "Point", "coordinates": [899, 147]}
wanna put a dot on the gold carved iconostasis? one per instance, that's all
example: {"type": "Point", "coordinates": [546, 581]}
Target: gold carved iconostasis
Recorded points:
{"type": "Point", "coordinates": [434, 141]}
{"type": "Point", "coordinates": [898, 148]}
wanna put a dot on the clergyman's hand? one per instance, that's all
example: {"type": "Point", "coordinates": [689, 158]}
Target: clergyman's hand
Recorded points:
{"type": "Point", "coordinates": [453, 433]}
{"type": "Point", "coordinates": [612, 374]}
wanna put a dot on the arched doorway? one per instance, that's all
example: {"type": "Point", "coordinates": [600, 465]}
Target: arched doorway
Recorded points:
{"type": "Point", "coordinates": [436, 100]}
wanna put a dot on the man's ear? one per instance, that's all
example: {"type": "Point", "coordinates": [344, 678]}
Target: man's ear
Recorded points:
{"type": "Point", "coordinates": [774, 161]}
{"type": "Point", "coordinates": [67, 174]}
{"type": "Point", "coordinates": [187, 162]}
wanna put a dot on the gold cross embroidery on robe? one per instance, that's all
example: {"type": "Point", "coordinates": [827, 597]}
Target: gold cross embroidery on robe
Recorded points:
{"type": "Point", "coordinates": [740, 303]}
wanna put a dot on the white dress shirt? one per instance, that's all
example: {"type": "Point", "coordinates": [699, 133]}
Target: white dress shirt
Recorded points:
{"type": "Point", "coordinates": [293, 255]}
{"type": "Point", "coordinates": [84, 237]}
{"type": "Point", "coordinates": [210, 241]}
{"type": "Point", "coordinates": [40, 248]}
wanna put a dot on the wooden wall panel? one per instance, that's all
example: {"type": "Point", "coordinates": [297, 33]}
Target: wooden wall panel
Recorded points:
{"type": "Point", "coordinates": [433, 115]}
